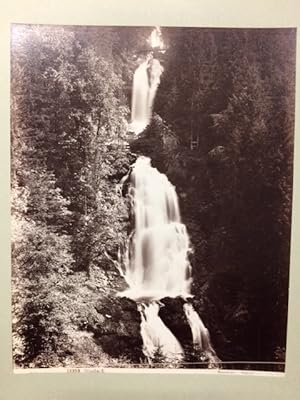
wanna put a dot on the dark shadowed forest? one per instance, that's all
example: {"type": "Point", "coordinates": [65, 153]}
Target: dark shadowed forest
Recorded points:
{"type": "Point", "coordinates": [222, 131]}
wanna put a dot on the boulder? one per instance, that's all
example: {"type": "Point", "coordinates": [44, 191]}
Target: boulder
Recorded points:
{"type": "Point", "coordinates": [117, 330]}
{"type": "Point", "coordinates": [173, 316]}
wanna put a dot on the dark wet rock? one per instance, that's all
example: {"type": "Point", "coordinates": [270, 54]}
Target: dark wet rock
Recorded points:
{"type": "Point", "coordinates": [156, 140]}
{"type": "Point", "coordinates": [117, 330]}
{"type": "Point", "coordinates": [172, 314]}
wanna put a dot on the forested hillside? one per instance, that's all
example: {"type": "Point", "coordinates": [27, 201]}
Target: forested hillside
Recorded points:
{"type": "Point", "coordinates": [222, 131]}
{"type": "Point", "coordinates": [235, 91]}
{"type": "Point", "coordinates": [69, 112]}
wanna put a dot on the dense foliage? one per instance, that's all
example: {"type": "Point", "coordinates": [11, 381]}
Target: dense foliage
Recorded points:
{"type": "Point", "coordinates": [229, 91]}
{"type": "Point", "coordinates": [69, 151]}
{"type": "Point", "coordinates": [234, 91]}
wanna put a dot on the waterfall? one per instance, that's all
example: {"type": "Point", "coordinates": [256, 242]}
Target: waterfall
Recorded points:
{"type": "Point", "coordinates": [201, 337]}
{"type": "Point", "coordinates": [140, 114]}
{"type": "Point", "coordinates": [199, 332]}
{"type": "Point", "coordinates": [156, 263]}
{"type": "Point", "coordinates": [146, 80]}
{"type": "Point", "coordinates": [155, 39]}
{"type": "Point", "coordinates": [156, 336]}
{"type": "Point", "coordinates": [155, 72]}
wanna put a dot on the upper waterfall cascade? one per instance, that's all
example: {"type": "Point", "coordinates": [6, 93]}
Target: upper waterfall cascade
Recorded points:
{"type": "Point", "coordinates": [146, 80]}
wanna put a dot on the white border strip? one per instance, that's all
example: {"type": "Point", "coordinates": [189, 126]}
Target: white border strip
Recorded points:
{"type": "Point", "coordinates": [149, 371]}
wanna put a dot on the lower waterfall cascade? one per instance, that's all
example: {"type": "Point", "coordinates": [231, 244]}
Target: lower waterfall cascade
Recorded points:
{"type": "Point", "coordinates": [156, 264]}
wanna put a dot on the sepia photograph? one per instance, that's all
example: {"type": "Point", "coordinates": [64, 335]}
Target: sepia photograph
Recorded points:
{"type": "Point", "coordinates": [151, 196]}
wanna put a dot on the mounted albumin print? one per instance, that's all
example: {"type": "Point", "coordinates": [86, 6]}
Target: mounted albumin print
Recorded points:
{"type": "Point", "coordinates": [151, 196]}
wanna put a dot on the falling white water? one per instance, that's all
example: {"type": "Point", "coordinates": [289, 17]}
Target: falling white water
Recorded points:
{"type": "Point", "coordinates": [201, 337]}
{"type": "Point", "coordinates": [155, 72]}
{"type": "Point", "coordinates": [199, 331]}
{"type": "Point", "coordinates": [146, 80]}
{"type": "Point", "coordinates": [158, 265]}
{"type": "Point", "coordinates": [156, 336]}
{"type": "Point", "coordinates": [155, 40]}
{"type": "Point", "coordinates": [140, 112]}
